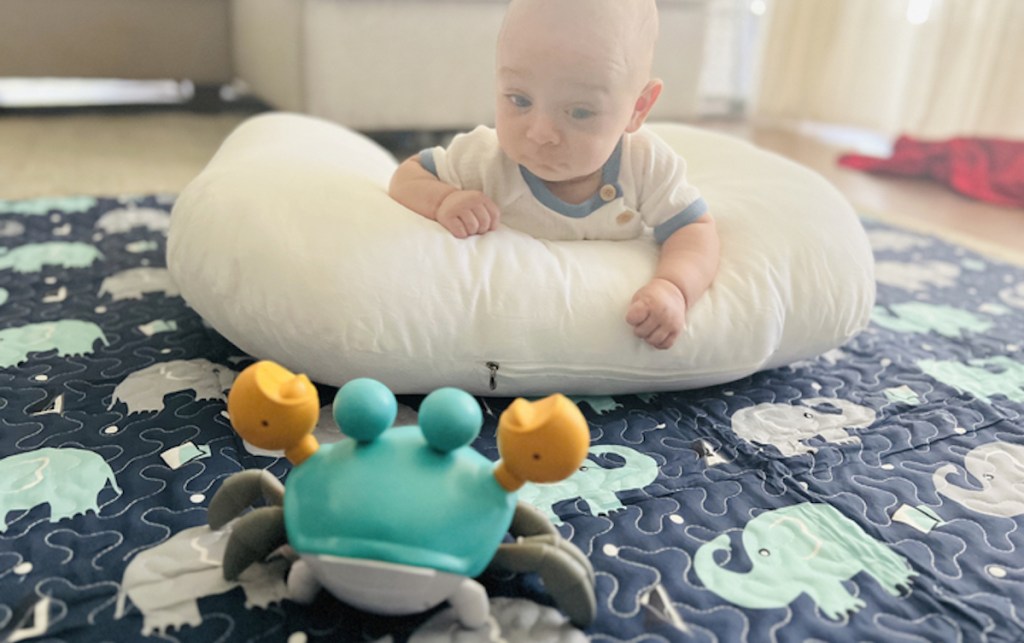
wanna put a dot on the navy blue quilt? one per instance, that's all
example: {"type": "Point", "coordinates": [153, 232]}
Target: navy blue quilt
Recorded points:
{"type": "Point", "coordinates": [873, 493]}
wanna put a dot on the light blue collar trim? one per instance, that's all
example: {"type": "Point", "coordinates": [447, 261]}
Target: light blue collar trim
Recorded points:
{"type": "Point", "coordinates": [609, 176]}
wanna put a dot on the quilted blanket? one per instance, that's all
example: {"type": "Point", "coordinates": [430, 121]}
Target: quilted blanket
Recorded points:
{"type": "Point", "coordinates": [873, 493]}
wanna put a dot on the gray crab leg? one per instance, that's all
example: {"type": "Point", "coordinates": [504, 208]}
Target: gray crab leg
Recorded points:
{"type": "Point", "coordinates": [239, 492]}
{"type": "Point", "coordinates": [253, 537]}
{"type": "Point", "coordinates": [530, 521]}
{"type": "Point", "coordinates": [557, 561]}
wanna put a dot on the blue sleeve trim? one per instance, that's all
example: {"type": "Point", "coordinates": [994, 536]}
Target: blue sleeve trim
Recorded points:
{"type": "Point", "coordinates": [694, 211]}
{"type": "Point", "coordinates": [427, 161]}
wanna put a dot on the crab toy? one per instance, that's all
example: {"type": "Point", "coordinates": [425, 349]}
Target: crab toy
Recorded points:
{"type": "Point", "coordinates": [397, 520]}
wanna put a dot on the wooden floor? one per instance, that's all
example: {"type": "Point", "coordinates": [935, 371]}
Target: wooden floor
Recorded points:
{"type": "Point", "coordinates": [106, 154]}
{"type": "Point", "coordinates": [109, 154]}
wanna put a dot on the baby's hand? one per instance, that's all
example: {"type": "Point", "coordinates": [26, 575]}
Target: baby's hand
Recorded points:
{"type": "Point", "coordinates": [468, 212]}
{"type": "Point", "coordinates": [657, 313]}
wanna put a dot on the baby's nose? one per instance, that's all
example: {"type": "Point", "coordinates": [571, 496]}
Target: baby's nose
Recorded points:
{"type": "Point", "coordinates": [542, 129]}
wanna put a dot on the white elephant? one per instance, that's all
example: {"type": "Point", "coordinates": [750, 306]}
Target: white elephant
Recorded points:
{"type": "Point", "coordinates": [144, 390]}
{"type": "Point", "coordinates": [785, 426]}
{"type": "Point", "coordinates": [166, 582]}
{"type": "Point", "coordinates": [999, 468]}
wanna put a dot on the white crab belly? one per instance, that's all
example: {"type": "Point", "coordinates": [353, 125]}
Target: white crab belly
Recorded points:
{"type": "Point", "coordinates": [383, 588]}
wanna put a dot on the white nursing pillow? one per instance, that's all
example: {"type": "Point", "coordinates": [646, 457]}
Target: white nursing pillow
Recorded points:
{"type": "Point", "coordinates": [289, 246]}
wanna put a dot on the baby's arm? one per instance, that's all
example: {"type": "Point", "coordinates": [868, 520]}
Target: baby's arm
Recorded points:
{"type": "Point", "coordinates": [688, 263]}
{"type": "Point", "coordinates": [461, 212]}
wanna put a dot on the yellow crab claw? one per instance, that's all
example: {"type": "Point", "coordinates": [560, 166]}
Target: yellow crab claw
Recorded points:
{"type": "Point", "coordinates": [273, 408]}
{"type": "Point", "coordinates": [542, 441]}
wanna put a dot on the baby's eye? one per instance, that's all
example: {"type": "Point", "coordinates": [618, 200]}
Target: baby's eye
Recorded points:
{"type": "Point", "coordinates": [581, 113]}
{"type": "Point", "coordinates": [519, 101]}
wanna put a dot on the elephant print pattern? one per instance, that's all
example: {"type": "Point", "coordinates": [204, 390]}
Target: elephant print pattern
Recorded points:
{"type": "Point", "coordinates": [788, 426]}
{"type": "Point", "coordinates": [69, 480]}
{"type": "Point", "coordinates": [595, 484]}
{"type": "Point", "coordinates": [999, 468]}
{"type": "Point", "coordinates": [807, 548]}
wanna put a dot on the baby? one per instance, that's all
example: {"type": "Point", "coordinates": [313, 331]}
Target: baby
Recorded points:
{"type": "Point", "coordinates": [568, 158]}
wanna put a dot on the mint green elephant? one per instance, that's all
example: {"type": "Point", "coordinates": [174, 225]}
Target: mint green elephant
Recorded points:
{"type": "Point", "coordinates": [31, 257]}
{"type": "Point", "coordinates": [594, 483]}
{"type": "Point", "coordinates": [982, 378]}
{"type": "Point", "coordinates": [66, 336]}
{"type": "Point", "coordinates": [809, 548]}
{"type": "Point", "coordinates": [43, 206]}
{"type": "Point", "coordinates": [67, 479]}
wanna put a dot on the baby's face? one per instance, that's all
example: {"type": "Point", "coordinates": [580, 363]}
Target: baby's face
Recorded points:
{"type": "Point", "coordinates": [566, 92]}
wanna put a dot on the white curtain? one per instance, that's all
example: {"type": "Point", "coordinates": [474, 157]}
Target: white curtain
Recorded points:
{"type": "Point", "coordinates": [927, 68]}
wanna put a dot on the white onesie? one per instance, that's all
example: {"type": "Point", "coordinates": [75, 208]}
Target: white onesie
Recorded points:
{"type": "Point", "coordinates": [643, 183]}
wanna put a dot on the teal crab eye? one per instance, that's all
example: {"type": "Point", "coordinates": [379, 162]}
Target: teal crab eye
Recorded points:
{"type": "Point", "coordinates": [450, 418]}
{"type": "Point", "coordinates": [363, 408]}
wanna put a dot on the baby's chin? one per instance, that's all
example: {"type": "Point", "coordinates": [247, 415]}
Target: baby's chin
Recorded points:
{"type": "Point", "coordinates": [555, 173]}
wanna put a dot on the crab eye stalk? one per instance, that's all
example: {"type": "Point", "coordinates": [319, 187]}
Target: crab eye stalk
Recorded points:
{"type": "Point", "coordinates": [542, 441]}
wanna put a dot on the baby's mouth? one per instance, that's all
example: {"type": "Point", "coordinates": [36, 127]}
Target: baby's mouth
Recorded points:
{"type": "Point", "coordinates": [544, 169]}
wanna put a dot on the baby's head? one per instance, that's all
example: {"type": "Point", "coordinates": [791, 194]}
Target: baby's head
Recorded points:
{"type": "Point", "coordinates": [572, 77]}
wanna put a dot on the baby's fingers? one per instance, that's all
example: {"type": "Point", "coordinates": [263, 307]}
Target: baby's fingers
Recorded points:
{"type": "Point", "coordinates": [647, 328]}
{"type": "Point", "coordinates": [651, 327]}
{"type": "Point", "coordinates": [485, 218]}
{"type": "Point", "coordinates": [493, 214]}
{"type": "Point", "coordinates": [637, 313]}
{"type": "Point", "coordinates": [456, 227]}
{"type": "Point", "coordinates": [662, 338]}
{"type": "Point", "coordinates": [471, 221]}
{"type": "Point", "coordinates": [656, 332]}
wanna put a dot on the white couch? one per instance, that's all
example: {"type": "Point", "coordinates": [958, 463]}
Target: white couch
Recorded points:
{"type": "Point", "coordinates": [368, 64]}
{"type": "Point", "coordinates": [414, 64]}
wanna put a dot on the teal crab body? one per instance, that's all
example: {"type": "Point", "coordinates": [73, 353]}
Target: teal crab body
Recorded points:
{"type": "Point", "coordinates": [397, 499]}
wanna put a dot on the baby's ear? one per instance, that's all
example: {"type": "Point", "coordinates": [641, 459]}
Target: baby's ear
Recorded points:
{"type": "Point", "coordinates": [644, 103]}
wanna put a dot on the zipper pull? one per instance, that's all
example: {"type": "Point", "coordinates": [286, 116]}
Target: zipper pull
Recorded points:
{"type": "Point", "coordinates": [493, 367]}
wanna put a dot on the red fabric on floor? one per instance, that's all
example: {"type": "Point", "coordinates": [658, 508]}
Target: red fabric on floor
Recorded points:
{"type": "Point", "coordinates": [982, 168]}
